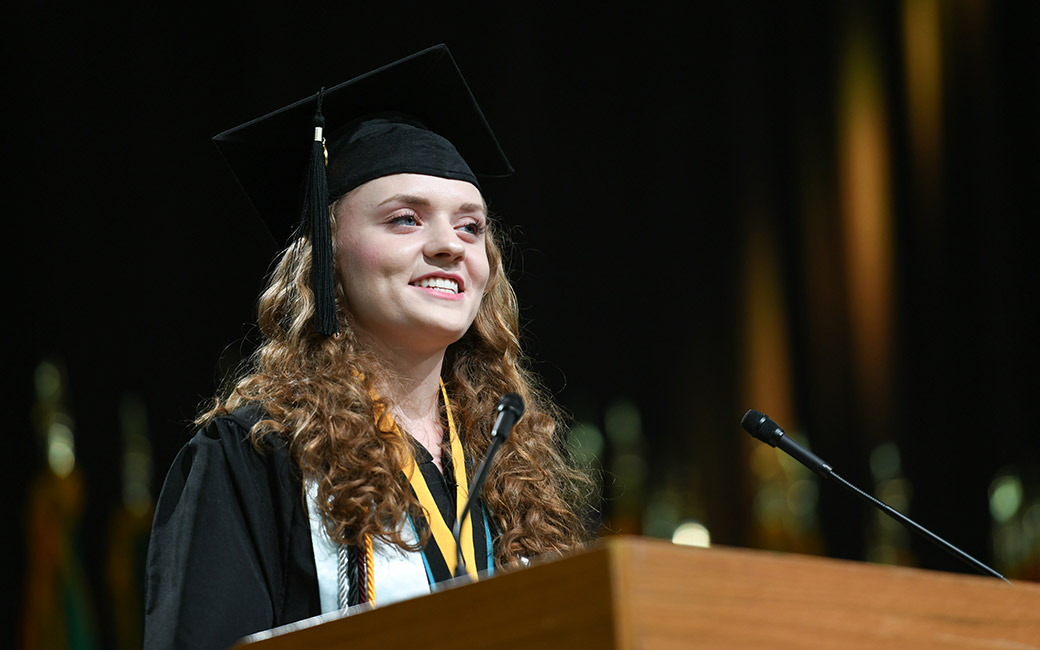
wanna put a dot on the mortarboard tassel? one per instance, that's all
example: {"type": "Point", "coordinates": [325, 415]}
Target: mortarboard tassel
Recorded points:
{"type": "Point", "coordinates": [316, 214]}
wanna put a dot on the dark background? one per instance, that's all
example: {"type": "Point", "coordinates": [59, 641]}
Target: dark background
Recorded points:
{"type": "Point", "coordinates": [655, 149]}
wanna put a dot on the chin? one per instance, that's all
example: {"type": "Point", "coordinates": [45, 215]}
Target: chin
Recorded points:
{"type": "Point", "coordinates": [431, 337]}
{"type": "Point", "coordinates": [450, 336]}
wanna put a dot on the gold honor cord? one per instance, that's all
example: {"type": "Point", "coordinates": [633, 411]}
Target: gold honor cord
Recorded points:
{"type": "Point", "coordinates": [458, 462]}
{"type": "Point", "coordinates": [370, 573]}
{"type": "Point", "coordinates": [440, 530]}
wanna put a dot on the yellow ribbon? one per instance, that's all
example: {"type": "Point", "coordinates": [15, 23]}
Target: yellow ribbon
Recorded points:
{"type": "Point", "coordinates": [438, 527]}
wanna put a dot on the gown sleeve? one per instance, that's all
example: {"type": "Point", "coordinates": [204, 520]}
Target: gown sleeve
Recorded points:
{"type": "Point", "coordinates": [230, 550]}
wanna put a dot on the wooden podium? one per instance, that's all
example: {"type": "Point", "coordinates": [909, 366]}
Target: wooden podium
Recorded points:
{"type": "Point", "coordinates": [640, 593]}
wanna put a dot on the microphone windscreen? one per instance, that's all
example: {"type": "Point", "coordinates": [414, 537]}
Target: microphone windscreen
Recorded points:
{"type": "Point", "coordinates": [762, 427]}
{"type": "Point", "coordinates": [753, 421]}
{"type": "Point", "coordinates": [513, 402]}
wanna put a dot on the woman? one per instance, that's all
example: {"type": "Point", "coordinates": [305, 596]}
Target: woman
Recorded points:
{"type": "Point", "coordinates": [332, 471]}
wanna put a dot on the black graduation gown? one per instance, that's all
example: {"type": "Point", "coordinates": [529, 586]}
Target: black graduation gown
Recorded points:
{"type": "Point", "coordinates": [230, 551]}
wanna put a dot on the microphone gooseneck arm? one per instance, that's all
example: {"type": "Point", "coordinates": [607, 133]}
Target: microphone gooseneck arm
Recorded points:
{"type": "Point", "coordinates": [510, 408]}
{"type": "Point", "coordinates": [762, 427]}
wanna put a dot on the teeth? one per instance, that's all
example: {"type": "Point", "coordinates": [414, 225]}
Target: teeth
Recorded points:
{"type": "Point", "coordinates": [441, 284]}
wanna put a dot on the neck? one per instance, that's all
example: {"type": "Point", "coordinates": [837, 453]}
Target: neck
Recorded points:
{"type": "Point", "coordinates": [415, 396]}
{"type": "Point", "coordinates": [417, 391]}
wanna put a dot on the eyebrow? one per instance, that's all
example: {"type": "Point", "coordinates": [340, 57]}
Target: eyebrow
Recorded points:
{"type": "Point", "coordinates": [411, 199]}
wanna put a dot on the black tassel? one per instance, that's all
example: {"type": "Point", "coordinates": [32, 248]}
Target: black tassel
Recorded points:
{"type": "Point", "coordinates": [354, 576]}
{"type": "Point", "coordinates": [316, 215]}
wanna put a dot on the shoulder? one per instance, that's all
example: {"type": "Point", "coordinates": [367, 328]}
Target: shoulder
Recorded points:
{"type": "Point", "coordinates": [235, 425]}
{"type": "Point", "coordinates": [223, 470]}
{"type": "Point", "coordinates": [233, 433]}
{"type": "Point", "coordinates": [222, 452]}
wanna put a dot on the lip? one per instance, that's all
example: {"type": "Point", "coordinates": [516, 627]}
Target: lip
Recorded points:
{"type": "Point", "coordinates": [447, 276]}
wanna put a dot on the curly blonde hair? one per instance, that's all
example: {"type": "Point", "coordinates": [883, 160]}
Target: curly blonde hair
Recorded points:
{"type": "Point", "coordinates": [316, 393]}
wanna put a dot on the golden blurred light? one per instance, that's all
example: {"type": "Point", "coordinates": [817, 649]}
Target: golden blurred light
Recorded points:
{"type": "Point", "coordinates": [883, 554]}
{"type": "Point", "coordinates": [771, 502]}
{"type": "Point", "coordinates": [922, 51]}
{"type": "Point", "coordinates": [888, 541]}
{"type": "Point", "coordinates": [630, 468]}
{"type": "Point", "coordinates": [48, 382]}
{"type": "Point", "coordinates": [895, 492]}
{"type": "Point", "coordinates": [692, 533]}
{"type": "Point", "coordinates": [137, 455]}
{"type": "Point", "coordinates": [662, 512]}
{"type": "Point", "coordinates": [1009, 544]}
{"type": "Point", "coordinates": [623, 423]}
{"type": "Point", "coordinates": [802, 497]}
{"type": "Point", "coordinates": [885, 462]}
{"type": "Point", "coordinates": [767, 364]}
{"type": "Point", "coordinates": [61, 449]}
{"type": "Point", "coordinates": [1031, 519]}
{"type": "Point", "coordinates": [586, 443]}
{"type": "Point", "coordinates": [1005, 497]}
{"type": "Point", "coordinates": [866, 209]}
{"type": "Point", "coordinates": [764, 463]}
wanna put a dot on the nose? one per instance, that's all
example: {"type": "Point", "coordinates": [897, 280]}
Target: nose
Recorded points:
{"type": "Point", "coordinates": [443, 242]}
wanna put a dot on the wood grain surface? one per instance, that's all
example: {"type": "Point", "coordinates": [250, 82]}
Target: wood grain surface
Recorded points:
{"type": "Point", "coordinates": [636, 593]}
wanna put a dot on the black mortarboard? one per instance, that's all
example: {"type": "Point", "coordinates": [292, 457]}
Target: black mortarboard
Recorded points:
{"type": "Point", "coordinates": [416, 115]}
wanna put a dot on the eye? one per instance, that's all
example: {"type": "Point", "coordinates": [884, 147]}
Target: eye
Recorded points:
{"type": "Point", "coordinates": [404, 219]}
{"type": "Point", "coordinates": [474, 228]}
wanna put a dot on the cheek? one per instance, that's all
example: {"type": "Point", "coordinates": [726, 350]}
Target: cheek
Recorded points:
{"type": "Point", "coordinates": [480, 271]}
{"type": "Point", "coordinates": [364, 262]}
{"type": "Point", "coordinates": [359, 258]}
{"type": "Point", "coordinates": [354, 264]}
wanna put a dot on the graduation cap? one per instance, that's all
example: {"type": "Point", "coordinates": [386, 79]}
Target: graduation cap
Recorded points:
{"type": "Point", "coordinates": [416, 115]}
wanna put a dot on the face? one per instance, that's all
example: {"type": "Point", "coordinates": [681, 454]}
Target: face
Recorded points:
{"type": "Point", "coordinates": [411, 251]}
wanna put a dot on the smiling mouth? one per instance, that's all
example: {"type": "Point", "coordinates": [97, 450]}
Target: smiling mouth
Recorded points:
{"type": "Point", "coordinates": [439, 284]}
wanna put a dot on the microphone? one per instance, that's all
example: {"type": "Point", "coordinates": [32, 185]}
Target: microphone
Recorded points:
{"type": "Point", "coordinates": [510, 408]}
{"type": "Point", "coordinates": [762, 427]}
